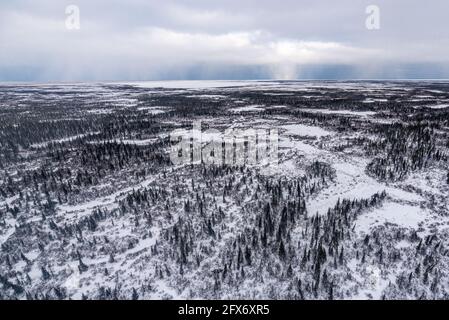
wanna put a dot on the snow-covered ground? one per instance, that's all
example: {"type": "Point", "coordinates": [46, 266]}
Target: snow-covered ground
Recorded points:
{"type": "Point", "coordinates": [154, 110]}
{"type": "Point", "coordinates": [71, 138]}
{"type": "Point", "coordinates": [400, 214]}
{"type": "Point", "coordinates": [115, 220]}
{"type": "Point", "coordinates": [343, 112]}
{"type": "Point", "coordinates": [305, 130]}
{"type": "Point", "coordinates": [250, 108]}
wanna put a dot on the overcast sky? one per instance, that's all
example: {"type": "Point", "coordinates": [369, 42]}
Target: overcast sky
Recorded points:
{"type": "Point", "coordinates": [224, 39]}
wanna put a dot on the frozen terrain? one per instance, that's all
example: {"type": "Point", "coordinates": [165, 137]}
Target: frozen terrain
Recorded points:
{"type": "Point", "coordinates": [354, 205]}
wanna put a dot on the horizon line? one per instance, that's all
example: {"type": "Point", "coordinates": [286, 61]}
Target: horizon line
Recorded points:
{"type": "Point", "coordinates": [57, 82]}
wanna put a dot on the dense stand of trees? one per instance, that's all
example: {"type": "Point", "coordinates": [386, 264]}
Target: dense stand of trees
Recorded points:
{"type": "Point", "coordinates": [403, 148]}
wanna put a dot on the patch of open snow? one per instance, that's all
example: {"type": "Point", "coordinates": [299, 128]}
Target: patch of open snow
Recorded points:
{"type": "Point", "coordinates": [402, 244]}
{"type": "Point", "coordinates": [428, 181]}
{"type": "Point", "coordinates": [154, 110]}
{"type": "Point", "coordinates": [250, 108]}
{"type": "Point", "coordinates": [343, 112]}
{"type": "Point", "coordinates": [207, 96]}
{"type": "Point", "coordinates": [9, 200]}
{"type": "Point", "coordinates": [138, 142]}
{"type": "Point", "coordinates": [278, 107]}
{"type": "Point", "coordinates": [351, 181]}
{"type": "Point", "coordinates": [74, 212]}
{"type": "Point", "coordinates": [100, 111]}
{"type": "Point", "coordinates": [288, 168]}
{"type": "Point", "coordinates": [438, 106]}
{"type": "Point", "coordinates": [305, 130]}
{"type": "Point", "coordinates": [403, 215]}
{"type": "Point", "coordinates": [8, 231]}
{"type": "Point", "coordinates": [371, 100]}
{"type": "Point", "coordinates": [372, 282]}
{"type": "Point", "coordinates": [71, 138]}
{"type": "Point", "coordinates": [164, 291]}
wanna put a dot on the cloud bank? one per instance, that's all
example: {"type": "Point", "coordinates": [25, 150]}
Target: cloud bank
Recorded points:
{"type": "Point", "coordinates": [151, 40]}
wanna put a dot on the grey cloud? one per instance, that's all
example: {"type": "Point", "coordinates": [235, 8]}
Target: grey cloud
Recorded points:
{"type": "Point", "coordinates": [137, 39]}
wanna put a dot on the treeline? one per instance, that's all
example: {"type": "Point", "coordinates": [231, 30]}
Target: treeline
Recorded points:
{"type": "Point", "coordinates": [402, 148]}
{"type": "Point", "coordinates": [70, 169]}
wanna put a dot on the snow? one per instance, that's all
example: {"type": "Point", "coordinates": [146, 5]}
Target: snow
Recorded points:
{"type": "Point", "coordinates": [372, 282]}
{"type": "Point", "coordinates": [351, 181]}
{"type": "Point", "coordinates": [428, 181]}
{"type": "Point", "coordinates": [438, 106]}
{"type": "Point", "coordinates": [250, 108]}
{"type": "Point", "coordinates": [287, 168]}
{"type": "Point", "coordinates": [9, 200]}
{"type": "Point", "coordinates": [74, 212]}
{"type": "Point", "coordinates": [71, 138]}
{"type": "Point", "coordinates": [154, 110]}
{"type": "Point", "coordinates": [305, 130]}
{"type": "Point", "coordinates": [414, 203]}
{"type": "Point", "coordinates": [304, 148]}
{"type": "Point", "coordinates": [9, 231]}
{"type": "Point", "coordinates": [372, 100]}
{"type": "Point", "coordinates": [343, 112]}
{"type": "Point", "coordinates": [402, 244]}
{"type": "Point", "coordinates": [138, 142]}
{"type": "Point", "coordinates": [278, 107]}
{"type": "Point", "coordinates": [402, 215]}
{"type": "Point", "coordinates": [100, 111]}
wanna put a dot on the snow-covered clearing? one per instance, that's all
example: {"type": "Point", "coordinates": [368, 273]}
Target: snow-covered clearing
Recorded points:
{"type": "Point", "coordinates": [154, 110]}
{"type": "Point", "coordinates": [400, 214]}
{"type": "Point", "coordinates": [342, 112]}
{"type": "Point", "coordinates": [71, 138]}
{"type": "Point", "coordinates": [250, 108]}
{"type": "Point", "coordinates": [305, 130]}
